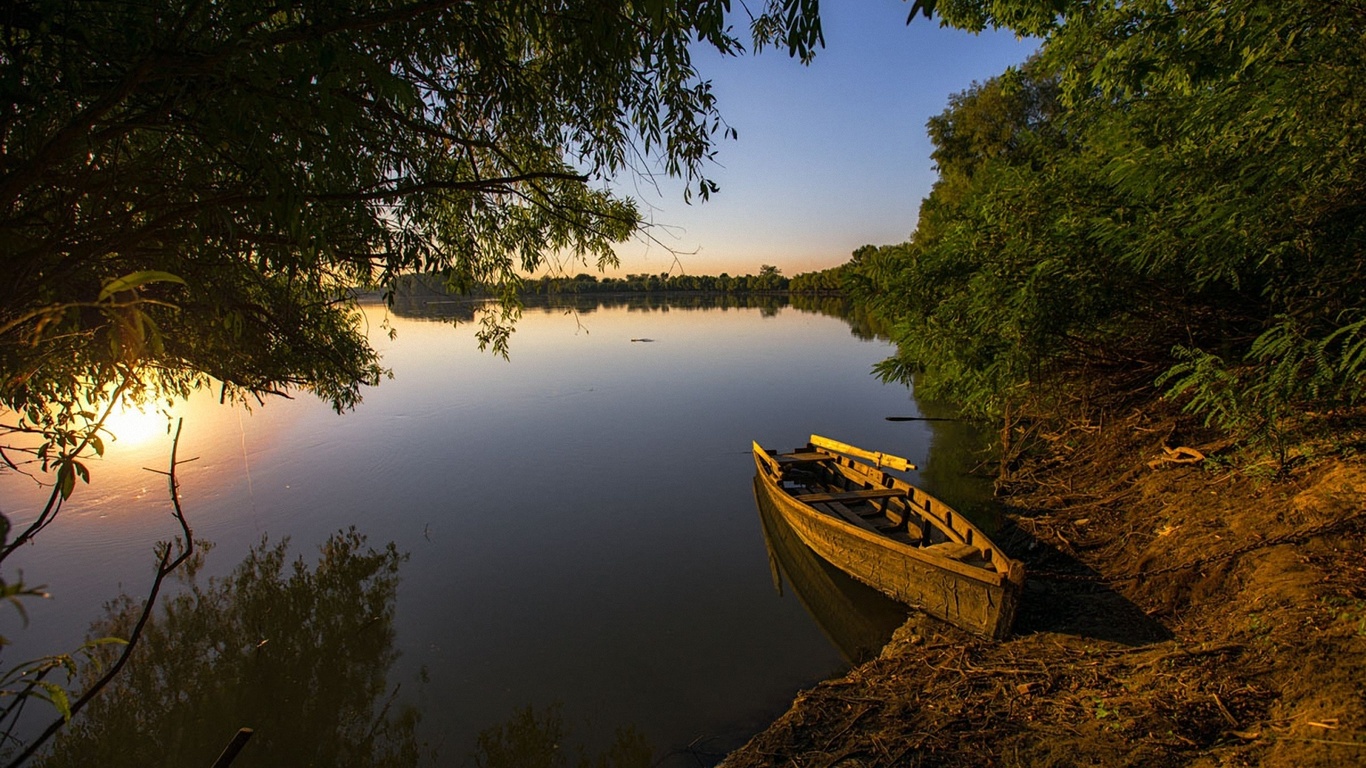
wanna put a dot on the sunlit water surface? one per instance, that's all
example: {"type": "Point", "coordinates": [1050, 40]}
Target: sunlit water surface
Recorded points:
{"type": "Point", "coordinates": [580, 521]}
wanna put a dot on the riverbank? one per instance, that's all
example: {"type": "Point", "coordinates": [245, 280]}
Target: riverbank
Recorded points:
{"type": "Point", "coordinates": [1187, 606]}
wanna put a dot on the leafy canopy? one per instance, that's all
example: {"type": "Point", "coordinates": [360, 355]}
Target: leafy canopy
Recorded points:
{"type": "Point", "coordinates": [189, 190]}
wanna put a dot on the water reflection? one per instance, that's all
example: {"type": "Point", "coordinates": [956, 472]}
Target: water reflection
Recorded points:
{"type": "Point", "coordinates": [135, 426]}
{"type": "Point", "coordinates": [299, 655]}
{"type": "Point", "coordinates": [427, 304]}
{"type": "Point", "coordinates": [767, 304]}
{"type": "Point", "coordinates": [579, 517]}
{"type": "Point", "coordinates": [858, 620]}
{"type": "Point", "coordinates": [862, 323]}
{"type": "Point", "coordinates": [531, 739]}
{"type": "Point", "coordinates": [962, 452]}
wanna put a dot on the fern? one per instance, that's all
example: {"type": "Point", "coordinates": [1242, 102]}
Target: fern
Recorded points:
{"type": "Point", "coordinates": [1208, 387]}
{"type": "Point", "coordinates": [1349, 342]}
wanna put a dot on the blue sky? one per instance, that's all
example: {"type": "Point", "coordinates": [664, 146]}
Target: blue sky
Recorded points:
{"type": "Point", "coordinates": [830, 156]}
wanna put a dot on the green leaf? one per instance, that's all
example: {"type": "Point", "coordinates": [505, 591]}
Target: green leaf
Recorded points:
{"type": "Point", "coordinates": [57, 695]}
{"type": "Point", "coordinates": [66, 480]}
{"type": "Point", "coordinates": [137, 279]}
{"type": "Point", "coordinates": [13, 600]}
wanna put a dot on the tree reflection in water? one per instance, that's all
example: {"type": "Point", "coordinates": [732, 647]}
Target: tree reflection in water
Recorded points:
{"type": "Point", "coordinates": [298, 655]}
{"type": "Point", "coordinates": [539, 740]}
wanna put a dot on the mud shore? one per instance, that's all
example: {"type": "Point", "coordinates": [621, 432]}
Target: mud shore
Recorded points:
{"type": "Point", "coordinates": [1188, 605]}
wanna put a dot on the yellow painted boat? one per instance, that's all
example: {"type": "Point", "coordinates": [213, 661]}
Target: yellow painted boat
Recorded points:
{"type": "Point", "coordinates": [891, 535]}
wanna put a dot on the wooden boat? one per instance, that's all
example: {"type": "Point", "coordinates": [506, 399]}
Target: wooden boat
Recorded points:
{"type": "Point", "coordinates": [891, 535]}
{"type": "Point", "coordinates": [857, 619]}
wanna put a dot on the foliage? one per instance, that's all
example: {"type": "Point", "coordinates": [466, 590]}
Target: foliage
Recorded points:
{"type": "Point", "coordinates": [1174, 190]}
{"type": "Point", "coordinates": [827, 281]}
{"type": "Point", "coordinates": [300, 655]}
{"type": "Point", "coordinates": [190, 191]}
{"type": "Point", "coordinates": [770, 280]}
{"type": "Point", "coordinates": [97, 662]}
{"type": "Point", "coordinates": [992, 284]}
{"type": "Point", "coordinates": [47, 679]}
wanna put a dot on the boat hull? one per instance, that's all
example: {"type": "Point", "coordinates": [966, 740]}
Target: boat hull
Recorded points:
{"type": "Point", "coordinates": [979, 599]}
{"type": "Point", "coordinates": [857, 619]}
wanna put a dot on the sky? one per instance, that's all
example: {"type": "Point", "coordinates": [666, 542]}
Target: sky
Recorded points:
{"type": "Point", "coordinates": [830, 156]}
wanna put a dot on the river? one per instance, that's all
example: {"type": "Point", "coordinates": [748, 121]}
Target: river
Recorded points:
{"type": "Point", "coordinates": [581, 534]}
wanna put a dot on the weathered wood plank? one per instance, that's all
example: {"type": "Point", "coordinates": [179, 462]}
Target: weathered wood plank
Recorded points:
{"type": "Point", "coordinates": [881, 459]}
{"type": "Point", "coordinates": [808, 457]}
{"type": "Point", "coordinates": [835, 509]}
{"type": "Point", "coordinates": [954, 549]}
{"type": "Point", "coordinates": [871, 494]}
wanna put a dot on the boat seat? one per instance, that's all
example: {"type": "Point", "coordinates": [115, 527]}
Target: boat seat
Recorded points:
{"type": "Point", "coordinates": [955, 550]}
{"type": "Point", "coordinates": [807, 457]}
{"type": "Point", "coordinates": [871, 494]}
{"type": "Point", "coordinates": [897, 534]}
{"type": "Point", "coordinates": [838, 510]}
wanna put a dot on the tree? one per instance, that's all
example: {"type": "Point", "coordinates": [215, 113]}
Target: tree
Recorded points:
{"type": "Point", "coordinates": [1172, 189]}
{"type": "Point", "coordinates": [992, 287]}
{"type": "Point", "coordinates": [188, 190]}
{"type": "Point", "coordinates": [770, 278]}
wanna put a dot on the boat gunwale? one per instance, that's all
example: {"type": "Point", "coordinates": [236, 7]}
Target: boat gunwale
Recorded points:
{"type": "Point", "coordinates": [953, 524]}
{"type": "Point", "coordinates": [1005, 570]}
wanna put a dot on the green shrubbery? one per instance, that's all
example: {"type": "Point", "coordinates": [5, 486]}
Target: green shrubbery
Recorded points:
{"type": "Point", "coordinates": [1174, 191]}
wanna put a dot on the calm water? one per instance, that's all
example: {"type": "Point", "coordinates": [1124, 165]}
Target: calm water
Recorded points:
{"type": "Point", "coordinates": [580, 524]}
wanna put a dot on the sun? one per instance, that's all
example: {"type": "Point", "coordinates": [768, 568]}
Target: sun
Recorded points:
{"type": "Point", "coordinates": [130, 426]}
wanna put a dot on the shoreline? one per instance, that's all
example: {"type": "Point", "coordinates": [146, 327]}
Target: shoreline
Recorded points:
{"type": "Point", "coordinates": [1178, 613]}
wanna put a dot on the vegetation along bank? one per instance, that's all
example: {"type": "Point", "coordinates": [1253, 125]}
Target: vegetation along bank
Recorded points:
{"type": "Point", "coordinates": [1144, 258]}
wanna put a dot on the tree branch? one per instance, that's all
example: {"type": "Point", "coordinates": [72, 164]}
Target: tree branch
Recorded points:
{"type": "Point", "coordinates": [54, 501]}
{"type": "Point", "coordinates": [478, 185]}
{"type": "Point", "coordinates": [165, 567]}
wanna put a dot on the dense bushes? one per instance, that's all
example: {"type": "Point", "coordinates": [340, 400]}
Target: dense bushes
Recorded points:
{"type": "Point", "coordinates": [1171, 189]}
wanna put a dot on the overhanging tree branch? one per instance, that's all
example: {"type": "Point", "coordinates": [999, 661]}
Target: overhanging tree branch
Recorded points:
{"type": "Point", "coordinates": [172, 554]}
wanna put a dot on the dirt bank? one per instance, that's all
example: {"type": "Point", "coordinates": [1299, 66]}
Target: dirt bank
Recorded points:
{"type": "Point", "coordinates": [1182, 611]}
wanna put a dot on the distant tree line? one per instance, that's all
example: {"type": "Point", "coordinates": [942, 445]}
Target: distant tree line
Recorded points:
{"type": "Point", "coordinates": [770, 279]}
{"type": "Point", "coordinates": [827, 281]}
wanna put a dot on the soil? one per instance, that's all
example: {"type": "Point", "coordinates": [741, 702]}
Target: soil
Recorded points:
{"type": "Point", "coordinates": [1188, 604]}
